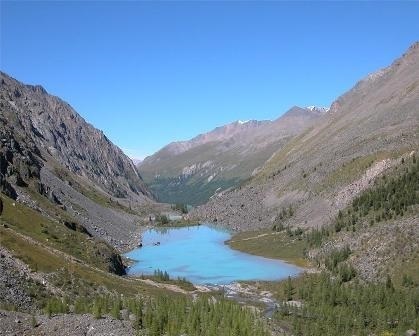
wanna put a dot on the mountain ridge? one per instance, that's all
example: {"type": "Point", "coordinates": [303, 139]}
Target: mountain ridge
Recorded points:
{"type": "Point", "coordinates": [216, 160]}
{"type": "Point", "coordinates": [375, 121]}
{"type": "Point", "coordinates": [54, 132]}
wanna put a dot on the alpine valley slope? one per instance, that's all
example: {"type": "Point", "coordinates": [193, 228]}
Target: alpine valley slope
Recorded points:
{"type": "Point", "coordinates": [367, 130]}
{"type": "Point", "coordinates": [192, 171]}
{"type": "Point", "coordinates": [51, 158]}
{"type": "Point", "coordinates": [63, 195]}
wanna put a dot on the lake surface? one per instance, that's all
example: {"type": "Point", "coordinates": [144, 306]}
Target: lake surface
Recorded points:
{"type": "Point", "coordinates": [199, 254]}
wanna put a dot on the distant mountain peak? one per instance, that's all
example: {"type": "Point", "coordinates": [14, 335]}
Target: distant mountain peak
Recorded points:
{"type": "Point", "coordinates": [220, 133]}
{"type": "Point", "coordinates": [310, 111]}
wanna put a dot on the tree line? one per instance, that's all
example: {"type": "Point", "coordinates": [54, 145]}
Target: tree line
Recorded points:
{"type": "Point", "coordinates": [169, 315]}
{"type": "Point", "coordinates": [390, 197]}
{"type": "Point", "coordinates": [331, 307]}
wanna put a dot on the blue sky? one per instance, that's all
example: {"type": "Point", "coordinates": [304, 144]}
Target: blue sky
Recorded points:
{"type": "Point", "coordinates": [148, 73]}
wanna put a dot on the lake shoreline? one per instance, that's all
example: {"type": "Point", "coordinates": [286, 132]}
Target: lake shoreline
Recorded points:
{"type": "Point", "coordinates": [272, 245]}
{"type": "Point", "coordinates": [202, 255]}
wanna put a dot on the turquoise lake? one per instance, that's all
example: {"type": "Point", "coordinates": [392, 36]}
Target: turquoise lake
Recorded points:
{"type": "Point", "coordinates": [199, 254]}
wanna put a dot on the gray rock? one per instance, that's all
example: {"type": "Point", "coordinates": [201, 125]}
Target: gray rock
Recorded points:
{"type": "Point", "coordinates": [47, 126]}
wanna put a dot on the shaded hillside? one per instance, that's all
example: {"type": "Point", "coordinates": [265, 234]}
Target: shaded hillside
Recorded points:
{"type": "Point", "coordinates": [192, 171]}
{"type": "Point", "coordinates": [318, 172]}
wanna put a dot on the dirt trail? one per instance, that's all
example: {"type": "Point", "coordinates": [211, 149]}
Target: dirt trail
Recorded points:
{"type": "Point", "coordinates": [256, 237]}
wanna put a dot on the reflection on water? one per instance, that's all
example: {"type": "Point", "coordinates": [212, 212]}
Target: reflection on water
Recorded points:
{"type": "Point", "coordinates": [199, 254]}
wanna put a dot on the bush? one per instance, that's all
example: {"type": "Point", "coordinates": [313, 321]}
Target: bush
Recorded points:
{"type": "Point", "coordinates": [162, 219]}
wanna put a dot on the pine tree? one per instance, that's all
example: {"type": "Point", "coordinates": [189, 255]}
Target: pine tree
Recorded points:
{"type": "Point", "coordinates": [289, 289]}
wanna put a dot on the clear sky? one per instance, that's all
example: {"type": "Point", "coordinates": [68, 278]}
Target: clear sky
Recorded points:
{"type": "Point", "coordinates": [148, 73]}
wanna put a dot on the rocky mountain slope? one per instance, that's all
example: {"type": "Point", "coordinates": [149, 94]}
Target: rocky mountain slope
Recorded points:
{"type": "Point", "coordinates": [367, 130]}
{"type": "Point", "coordinates": [50, 154]}
{"type": "Point", "coordinates": [192, 171]}
{"type": "Point", "coordinates": [70, 203]}
{"type": "Point", "coordinates": [54, 127]}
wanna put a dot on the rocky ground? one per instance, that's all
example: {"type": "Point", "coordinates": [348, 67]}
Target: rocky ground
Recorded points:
{"type": "Point", "coordinates": [119, 228]}
{"type": "Point", "coordinates": [370, 256]}
{"type": "Point", "coordinates": [16, 281]}
{"type": "Point", "coordinates": [21, 324]}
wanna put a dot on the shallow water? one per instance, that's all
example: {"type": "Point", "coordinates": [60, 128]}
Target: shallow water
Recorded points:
{"type": "Point", "coordinates": [199, 254]}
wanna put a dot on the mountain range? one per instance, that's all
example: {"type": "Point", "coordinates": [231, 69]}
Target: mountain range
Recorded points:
{"type": "Point", "coordinates": [334, 190]}
{"type": "Point", "coordinates": [192, 171]}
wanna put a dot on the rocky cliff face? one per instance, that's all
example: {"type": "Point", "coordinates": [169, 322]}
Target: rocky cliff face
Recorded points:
{"type": "Point", "coordinates": [192, 171]}
{"type": "Point", "coordinates": [50, 125]}
{"type": "Point", "coordinates": [366, 131]}
{"type": "Point", "coordinates": [50, 150]}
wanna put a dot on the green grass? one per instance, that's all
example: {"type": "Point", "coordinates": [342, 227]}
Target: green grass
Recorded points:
{"type": "Point", "coordinates": [354, 168]}
{"type": "Point", "coordinates": [276, 245]}
{"type": "Point", "coordinates": [31, 223]}
{"type": "Point", "coordinates": [36, 258]}
{"type": "Point", "coordinates": [33, 257]}
{"type": "Point", "coordinates": [409, 268]}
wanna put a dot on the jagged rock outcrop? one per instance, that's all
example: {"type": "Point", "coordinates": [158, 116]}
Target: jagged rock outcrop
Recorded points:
{"type": "Point", "coordinates": [39, 122]}
{"type": "Point", "coordinates": [18, 158]}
